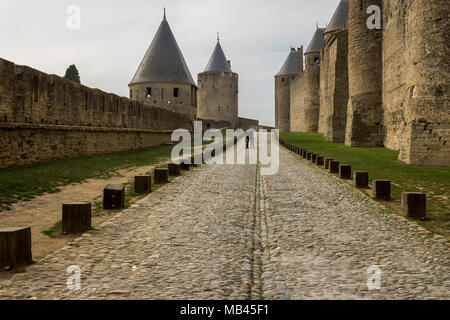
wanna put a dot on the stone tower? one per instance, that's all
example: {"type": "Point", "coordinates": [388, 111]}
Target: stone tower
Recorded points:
{"type": "Point", "coordinates": [312, 82]}
{"type": "Point", "coordinates": [365, 106]}
{"type": "Point", "coordinates": [163, 78]}
{"type": "Point", "coordinates": [334, 77]}
{"type": "Point", "coordinates": [425, 136]}
{"type": "Point", "coordinates": [218, 90]}
{"type": "Point", "coordinates": [289, 70]}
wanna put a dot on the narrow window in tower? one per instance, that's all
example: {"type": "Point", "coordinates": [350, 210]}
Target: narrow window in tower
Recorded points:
{"type": "Point", "coordinates": [282, 79]}
{"type": "Point", "coordinates": [149, 92]}
{"type": "Point", "coordinates": [35, 89]}
{"type": "Point", "coordinates": [316, 59]}
{"type": "Point", "coordinates": [175, 92]}
{"type": "Point", "coordinates": [131, 94]}
{"type": "Point", "coordinates": [219, 108]}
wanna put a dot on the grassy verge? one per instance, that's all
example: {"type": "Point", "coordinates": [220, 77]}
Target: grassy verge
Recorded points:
{"type": "Point", "coordinates": [382, 163]}
{"type": "Point", "coordinates": [26, 182]}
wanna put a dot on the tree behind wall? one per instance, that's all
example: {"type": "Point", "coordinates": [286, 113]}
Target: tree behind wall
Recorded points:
{"type": "Point", "coordinates": [72, 74]}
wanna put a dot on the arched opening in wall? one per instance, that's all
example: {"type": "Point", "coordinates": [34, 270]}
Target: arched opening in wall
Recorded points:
{"type": "Point", "coordinates": [35, 89]}
{"type": "Point", "coordinates": [176, 92]}
{"type": "Point", "coordinates": [219, 108]}
{"type": "Point", "coordinates": [316, 59]}
{"type": "Point", "coordinates": [282, 79]}
{"type": "Point", "coordinates": [149, 92]}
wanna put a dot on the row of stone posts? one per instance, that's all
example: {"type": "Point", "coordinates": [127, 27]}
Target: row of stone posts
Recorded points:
{"type": "Point", "coordinates": [15, 242]}
{"type": "Point", "coordinates": [413, 204]}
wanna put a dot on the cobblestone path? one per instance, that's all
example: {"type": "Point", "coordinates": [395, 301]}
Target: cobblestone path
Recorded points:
{"type": "Point", "coordinates": [226, 232]}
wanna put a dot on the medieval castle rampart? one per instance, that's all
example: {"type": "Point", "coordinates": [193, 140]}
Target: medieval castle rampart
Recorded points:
{"type": "Point", "coordinates": [379, 87]}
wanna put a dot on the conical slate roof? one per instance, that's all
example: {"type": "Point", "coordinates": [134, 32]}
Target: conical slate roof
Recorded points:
{"type": "Point", "coordinates": [339, 17]}
{"type": "Point", "coordinates": [218, 61]}
{"type": "Point", "coordinates": [317, 43]}
{"type": "Point", "coordinates": [292, 64]}
{"type": "Point", "coordinates": [163, 61]}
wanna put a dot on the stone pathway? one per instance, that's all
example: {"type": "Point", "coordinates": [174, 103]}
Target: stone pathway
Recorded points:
{"type": "Point", "coordinates": [226, 232]}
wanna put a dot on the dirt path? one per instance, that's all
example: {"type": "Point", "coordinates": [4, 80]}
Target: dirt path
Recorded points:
{"type": "Point", "coordinates": [43, 212]}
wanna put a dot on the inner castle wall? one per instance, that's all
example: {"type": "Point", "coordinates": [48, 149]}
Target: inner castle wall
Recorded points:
{"type": "Point", "coordinates": [45, 117]}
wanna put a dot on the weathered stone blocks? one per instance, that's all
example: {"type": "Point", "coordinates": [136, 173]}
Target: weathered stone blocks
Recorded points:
{"type": "Point", "coordinates": [114, 196]}
{"type": "Point", "coordinates": [161, 175]}
{"type": "Point", "coordinates": [15, 247]}
{"type": "Point", "coordinates": [381, 189]}
{"type": "Point", "coordinates": [361, 179]}
{"type": "Point", "coordinates": [414, 204]}
{"type": "Point", "coordinates": [142, 184]}
{"type": "Point", "coordinates": [345, 171]}
{"type": "Point", "coordinates": [76, 217]}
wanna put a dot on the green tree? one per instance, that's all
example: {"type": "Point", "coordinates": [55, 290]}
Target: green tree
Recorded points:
{"type": "Point", "coordinates": [72, 74]}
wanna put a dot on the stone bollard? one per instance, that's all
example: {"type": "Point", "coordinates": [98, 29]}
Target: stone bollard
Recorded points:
{"type": "Point", "coordinates": [174, 169]}
{"type": "Point", "coordinates": [184, 166]}
{"type": "Point", "coordinates": [142, 184]}
{"type": "Point", "coordinates": [114, 196]}
{"type": "Point", "coordinates": [305, 154]}
{"type": "Point", "coordinates": [334, 166]}
{"type": "Point", "coordinates": [345, 171]}
{"type": "Point", "coordinates": [313, 157]}
{"type": "Point", "coordinates": [15, 248]}
{"type": "Point", "coordinates": [320, 160]}
{"type": "Point", "coordinates": [309, 156]}
{"type": "Point", "coordinates": [414, 205]}
{"type": "Point", "coordinates": [327, 163]}
{"type": "Point", "coordinates": [161, 175]}
{"type": "Point", "coordinates": [76, 217]}
{"type": "Point", "coordinates": [381, 189]}
{"type": "Point", "coordinates": [361, 179]}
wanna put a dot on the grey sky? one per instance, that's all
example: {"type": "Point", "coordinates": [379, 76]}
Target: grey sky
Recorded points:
{"type": "Point", "coordinates": [255, 35]}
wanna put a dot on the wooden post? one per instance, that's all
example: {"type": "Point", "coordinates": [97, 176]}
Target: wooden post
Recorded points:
{"type": "Point", "coordinates": [305, 154]}
{"type": "Point", "coordinates": [161, 175]}
{"type": "Point", "coordinates": [327, 163]}
{"type": "Point", "coordinates": [174, 169]}
{"type": "Point", "coordinates": [414, 205]}
{"type": "Point", "coordinates": [15, 247]}
{"type": "Point", "coordinates": [320, 160]}
{"type": "Point", "coordinates": [361, 179]}
{"type": "Point", "coordinates": [76, 217]}
{"type": "Point", "coordinates": [345, 171]}
{"type": "Point", "coordinates": [114, 196]}
{"type": "Point", "coordinates": [334, 166]}
{"type": "Point", "coordinates": [313, 157]}
{"type": "Point", "coordinates": [142, 184]}
{"type": "Point", "coordinates": [381, 189]}
{"type": "Point", "coordinates": [309, 156]}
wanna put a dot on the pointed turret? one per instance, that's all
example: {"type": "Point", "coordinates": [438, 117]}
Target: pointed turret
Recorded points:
{"type": "Point", "coordinates": [218, 61]}
{"type": "Point", "coordinates": [291, 64]}
{"type": "Point", "coordinates": [163, 62]}
{"type": "Point", "coordinates": [339, 17]}
{"type": "Point", "coordinates": [317, 42]}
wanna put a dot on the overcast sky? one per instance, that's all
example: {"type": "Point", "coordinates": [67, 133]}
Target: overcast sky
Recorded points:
{"type": "Point", "coordinates": [256, 36]}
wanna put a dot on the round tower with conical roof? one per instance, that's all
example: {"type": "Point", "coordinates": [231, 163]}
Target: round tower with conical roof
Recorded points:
{"type": "Point", "coordinates": [163, 78]}
{"type": "Point", "coordinates": [312, 82]}
{"type": "Point", "coordinates": [290, 69]}
{"type": "Point", "coordinates": [218, 89]}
